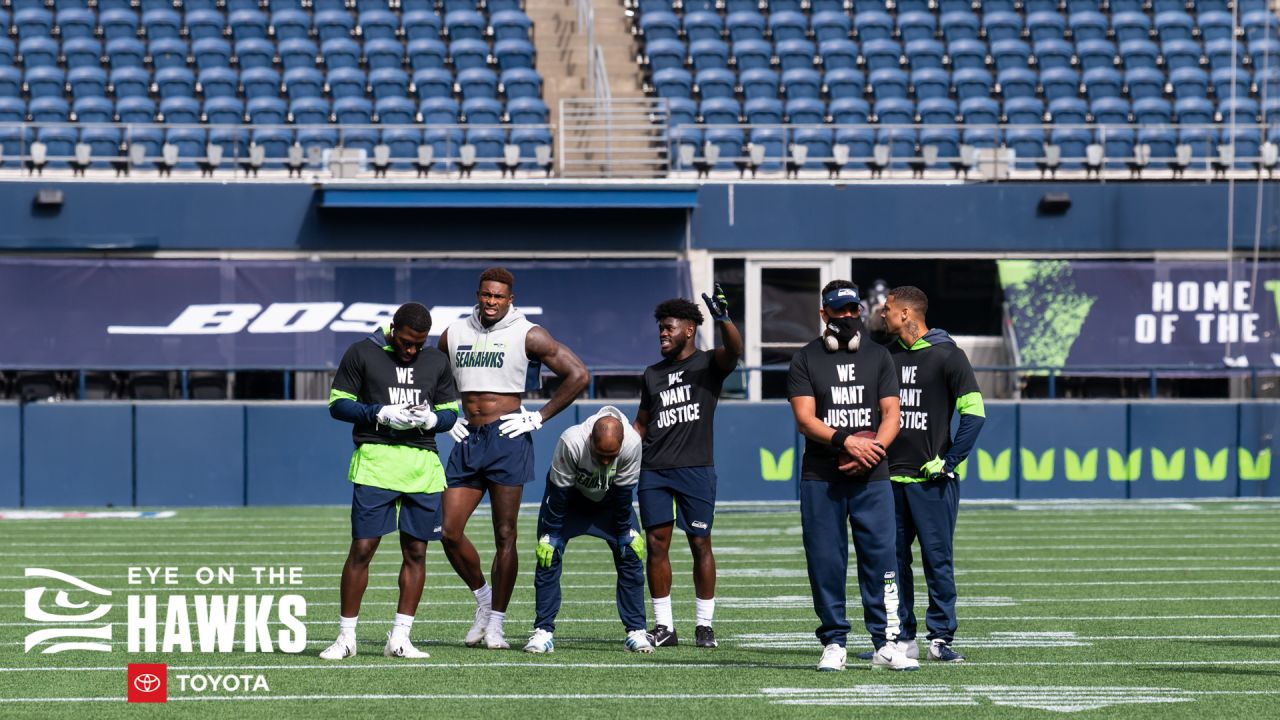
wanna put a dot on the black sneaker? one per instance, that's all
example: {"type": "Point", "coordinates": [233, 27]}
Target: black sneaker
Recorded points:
{"type": "Point", "coordinates": [866, 655]}
{"type": "Point", "coordinates": [705, 637]}
{"type": "Point", "coordinates": [664, 636]}
{"type": "Point", "coordinates": [941, 651]}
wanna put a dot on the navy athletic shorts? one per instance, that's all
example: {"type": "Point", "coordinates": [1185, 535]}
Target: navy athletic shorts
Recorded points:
{"type": "Point", "coordinates": [487, 457]}
{"type": "Point", "coordinates": [376, 512]}
{"type": "Point", "coordinates": [686, 495]}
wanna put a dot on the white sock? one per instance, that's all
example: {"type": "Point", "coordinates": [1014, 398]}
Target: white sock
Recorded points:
{"type": "Point", "coordinates": [496, 620]}
{"type": "Point", "coordinates": [347, 626]}
{"type": "Point", "coordinates": [662, 612]}
{"type": "Point", "coordinates": [705, 609]}
{"type": "Point", "coordinates": [401, 626]}
{"type": "Point", "coordinates": [484, 596]}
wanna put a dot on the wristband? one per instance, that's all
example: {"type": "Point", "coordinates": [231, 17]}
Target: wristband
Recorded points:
{"type": "Point", "coordinates": [837, 440]}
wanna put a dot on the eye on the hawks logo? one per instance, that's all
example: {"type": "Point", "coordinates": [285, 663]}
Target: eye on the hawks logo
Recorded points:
{"type": "Point", "coordinates": [148, 683]}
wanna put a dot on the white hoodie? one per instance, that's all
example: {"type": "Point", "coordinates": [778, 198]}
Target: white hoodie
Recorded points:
{"type": "Point", "coordinates": [573, 465]}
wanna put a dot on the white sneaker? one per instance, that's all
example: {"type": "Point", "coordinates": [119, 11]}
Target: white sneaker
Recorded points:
{"type": "Point", "coordinates": [833, 657]}
{"type": "Point", "coordinates": [478, 626]}
{"type": "Point", "coordinates": [540, 642]}
{"type": "Point", "coordinates": [892, 657]}
{"type": "Point", "coordinates": [401, 647]}
{"type": "Point", "coordinates": [638, 642]}
{"type": "Point", "coordinates": [342, 648]}
{"type": "Point", "coordinates": [495, 639]}
{"type": "Point", "coordinates": [908, 648]}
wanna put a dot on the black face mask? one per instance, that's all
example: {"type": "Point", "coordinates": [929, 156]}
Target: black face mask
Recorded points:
{"type": "Point", "coordinates": [843, 332]}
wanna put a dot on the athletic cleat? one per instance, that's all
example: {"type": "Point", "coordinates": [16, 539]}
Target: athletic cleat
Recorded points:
{"type": "Point", "coordinates": [638, 642]}
{"type": "Point", "coordinates": [941, 651]}
{"type": "Point", "coordinates": [402, 648]}
{"type": "Point", "coordinates": [833, 658]}
{"type": "Point", "coordinates": [866, 655]}
{"type": "Point", "coordinates": [909, 648]}
{"type": "Point", "coordinates": [540, 642]}
{"type": "Point", "coordinates": [705, 637]}
{"type": "Point", "coordinates": [663, 636]}
{"type": "Point", "coordinates": [481, 623]}
{"type": "Point", "coordinates": [341, 649]}
{"type": "Point", "coordinates": [891, 657]}
{"type": "Point", "coordinates": [495, 640]}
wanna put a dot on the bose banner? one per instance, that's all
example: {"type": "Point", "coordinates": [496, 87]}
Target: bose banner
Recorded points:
{"type": "Point", "coordinates": [1067, 313]}
{"type": "Point", "coordinates": [247, 314]}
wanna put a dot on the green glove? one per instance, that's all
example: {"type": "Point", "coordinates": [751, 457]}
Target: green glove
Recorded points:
{"type": "Point", "coordinates": [718, 304]}
{"type": "Point", "coordinates": [546, 550]}
{"type": "Point", "coordinates": [633, 540]}
{"type": "Point", "coordinates": [936, 468]}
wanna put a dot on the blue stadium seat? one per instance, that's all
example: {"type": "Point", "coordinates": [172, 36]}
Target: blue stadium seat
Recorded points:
{"type": "Point", "coordinates": [38, 22]}
{"type": "Point", "coordinates": [260, 82]}
{"type": "Point", "coordinates": [38, 52]}
{"type": "Point", "coordinates": [383, 53]}
{"type": "Point", "coordinates": [1001, 26]}
{"type": "Point", "coordinates": [298, 53]}
{"type": "Point", "coordinates": [188, 5]}
{"type": "Point", "coordinates": [1131, 26]}
{"type": "Point", "coordinates": [1152, 111]}
{"type": "Point", "coordinates": [1215, 26]}
{"type": "Point", "coordinates": [378, 24]}
{"type": "Point", "coordinates": [403, 145]}
{"type": "Point", "coordinates": [1238, 110]}
{"type": "Point", "coordinates": [1220, 53]}
{"type": "Point", "coordinates": [125, 52]}
{"type": "Point", "coordinates": [1010, 53]}
{"type": "Point", "coordinates": [817, 142]}
{"type": "Point", "coordinates": [785, 5]}
{"type": "Point", "coordinates": [1017, 83]}
{"type": "Point", "coordinates": [488, 143]}
{"type": "Point", "coordinates": [522, 82]}
{"type": "Point", "coordinates": [1193, 111]}
{"type": "Point", "coordinates": [663, 54]}
{"type": "Point", "coordinates": [830, 26]}
{"type": "Point", "coordinates": [60, 143]}
{"type": "Point", "coordinates": [291, 24]}
{"type": "Point", "coordinates": [45, 81]}
{"type": "Point", "coordinates": [170, 52]}
{"type": "Point", "coordinates": [751, 54]}
{"type": "Point", "coordinates": [1071, 143]}
{"type": "Point", "coordinates": [709, 54]}
{"type": "Point", "coordinates": [439, 111]}
{"type": "Point", "coordinates": [340, 53]}
{"type": "Point", "coordinates": [1103, 82]}
{"type": "Point", "coordinates": [773, 141]}
{"type": "Point", "coordinates": [1162, 142]}
{"type": "Point", "coordinates": [873, 25]}
{"type": "Point", "coordinates": [527, 111]}
{"type": "Point", "coordinates": [180, 110]}
{"type": "Point", "coordinates": [211, 52]}
{"type": "Point", "coordinates": [468, 54]}
{"type": "Point", "coordinates": [464, 25]}
{"type": "Point", "coordinates": [763, 111]}
{"type": "Point", "coordinates": [267, 111]}
{"type": "Point", "coordinates": [877, 54]}
{"type": "Point", "coordinates": [353, 111]}
{"type": "Point", "coordinates": [136, 110]}
{"type": "Point", "coordinates": [1246, 141]}
{"type": "Point", "coordinates": [48, 109]}
{"type": "Point", "coordinates": [79, 52]}
{"type": "Point", "coordinates": [1174, 26]}
{"type": "Point", "coordinates": [1060, 82]}
{"type": "Point", "coordinates": [1053, 54]}
{"type": "Point", "coordinates": [8, 51]}
{"type": "Point", "coordinates": [1180, 54]}
{"type": "Point", "coordinates": [237, 5]}
{"type": "Point", "coordinates": [224, 110]}
{"type": "Point", "coordinates": [716, 82]}
{"type": "Point", "coordinates": [162, 23]}
{"type": "Point", "coordinates": [967, 54]}
{"type": "Point", "coordinates": [929, 83]}
{"type": "Point", "coordinates": [673, 82]}
{"type": "Point", "coordinates": [925, 53]}
{"type": "Point", "coordinates": [389, 82]}
{"type": "Point", "coordinates": [421, 25]}
{"type": "Point", "coordinates": [1027, 144]}
{"type": "Point", "coordinates": [449, 6]}
{"type": "Point", "coordinates": [175, 82]}
{"type": "Point", "coordinates": [255, 53]}
{"type": "Point", "coordinates": [130, 82]}
{"type": "Point", "coordinates": [759, 83]}
{"type": "Point", "coordinates": [310, 111]}
{"type": "Point", "coordinates": [1144, 83]}
{"type": "Point", "coordinates": [661, 25]}
{"type": "Point", "coordinates": [333, 24]}
{"type": "Point", "coordinates": [93, 110]}
{"type": "Point", "coordinates": [1035, 6]}
{"type": "Point", "coordinates": [478, 82]}
{"type": "Point", "coordinates": [850, 111]}
{"type": "Point", "coordinates": [972, 83]}
{"type": "Point", "coordinates": [836, 54]}
{"type": "Point", "coordinates": [76, 23]}
{"type": "Point", "coordinates": [427, 53]}
{"type": "Point", "coordinates": [960, 26]}
{"type": "Point", "coordinates": [702, 26]}
{"type": "Point", "coordinates": [1260, 24]}
{"type": "Point", "coordinates": [720, 111]}
{"type": "Point", "coordinates": [87, 82]}
{"type": "Point", "coordinates": [730, 5]}
{"type": "Point", "coordinates": [1138, 53]}
{"type": "Point", "coordinates": [1024, 111]}
{"type": "Point", "coordinates": [1096, 54]}
{"type": "Point", "coordinates": [807, 83]}
{"type": "Point", "coordinates": [895, 111]}
{"type": "Point", "coordinates": [1271, 111]}
{"type": "Point", "coordinates": [1200, 140]}
{"type": "Point", "coordinates": [1267, 81]}
{"type": "Point", "coordinates": [1088, 25]}
{"type": "Point", "coordinates": [948, 6]}
{"type": "Point", "coordinates": [845, 83]}
{"type": "Point", "coordinates": [346, 82]}
{"type": "Point", "coordinates": [885, 83]}
{"type": "Point", "coordinates": [938, 111]}
{"type": "Point", "coordinates": [203, 24]}
{"type": "Point", "coordinates": [303, 82]}
{"type": "Point", "coordinates": [444, 143]}
{"type": "Point", "coordinates": [1264, 52]}
{"type": "Point", "coordinates": [275, 144]}
{"type": "Point", "coordinates": [947, 142]}
{"type": "Point", "coordinates": [916, 26]}
{"type": "Point", "coordinates": [319, 138]}
{"type": "Point", "coordinates": [433, 82]}
{"type": "Point", "coordinates": [1227, 83]}
{"type": "Point", "coordinates": [746, 26]}
{"type": "Point", "coordinates": [513, 54]}
{"type": "Point", "coordinates": [395, 111]}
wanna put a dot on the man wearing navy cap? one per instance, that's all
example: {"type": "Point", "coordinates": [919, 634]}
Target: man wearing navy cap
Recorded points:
{"type": "Point", "coordinates": [844, 395]}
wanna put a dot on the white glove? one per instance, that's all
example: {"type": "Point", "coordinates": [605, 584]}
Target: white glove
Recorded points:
{"type": "Point", "coordinates": [519, 423]}
{"type": "Point", "coordinates": [397, 417]}
{"type": "Point", "coordinates": [459, 431]}
{"type": "Point", "coordinates": [423, 417]}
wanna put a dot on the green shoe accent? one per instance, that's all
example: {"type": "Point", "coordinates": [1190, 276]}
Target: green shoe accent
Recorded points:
{"type": "Point", "coordinates": [1170, 468]}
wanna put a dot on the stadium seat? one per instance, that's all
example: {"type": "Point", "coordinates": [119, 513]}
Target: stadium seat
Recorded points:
{"type": "Point", "coordinates": [180, 110]}
{"type": "Point", "coordinates": [255, 53]}
{"type": "Point", "coordinates": [1260, 24]}
{"type": "Point", "coordinates": [478, 82]}
{"type": "Point", "coordinates": [310, 111]}
{"type": "Point", "coordinates": [972, 83]}
{"type": "Point", "coordinates": [395, 111]}
{"type": "Point", "coordinates": [125, 52]}
{"type": "Point", "coordinates": [1138, 53]}
{"type": "Point", "coordinates": [202, 24]}
{"type": "Point", "coordinates": [968, 54]}
{"type": "Point", "coordinates": [260, 82]}
{"type": "Point", "coordinates": [1215, 25]}
{"type": "Point", "coordinates": [333, 25]}
{"type": "Point", "coordinates": [211, 52]}
{"type": "Point", "coordinates": [340, 53]}
{"type": "Point", "coordinates": [1174, 25]}
{"type": "Point", "coordinates": [707, 54]}
{"type": "Point", "coordinates": [35, 22]}
{"type": "Point", "coordinates": [48, 109]}
{"type": "Point", "coordinates": [136, 110]}
{"type": "Point", "coordinates": [663, 54]}
{"type": "Point", "coordinates": [916, 26]}
{"type": "Point", "coordinates": [527, 111]}
{"type": "Point", "coordinates": [290, 24]}
{"type": "Point", "coordinates": [1027, 144]}
{"type": "Point", "coordinates": [763, 111]}
{"type": "Point", "coordinates": [224, 110]}
{"type": "Point", "coordinates": [662, 25]}
{"type": "Point", "coordinates": [439, 111]}
{"type": "Point", "coordinates": [1264, 52]}
{"type": "Point", "coordinates": [521, 82]}
{"type": "Point", "coordinates": [433, 82]}
{"type": "Point", "coordinates": [1053, 54]}
{"type": "Point", "coordinates": [1024, 111]}
{"type": "Point", "coordinates": [1046, 25]}
{"type": "Point", "coordinates": [303, 83]}
{"type": "Point", "coordinates": [378, 24]}
{"type": "Point", "coordinates": [1228, 83]}
{"type": "Point", "coordinates": [45, 81]}
{"type": "Point", "coordinates": [720, 111]}
{"type": "Point", "coordinates": [885, 83]}
{"type": "Point", "coordinates": [830, 25]}
{"type": "Point", "coordinates": [389, 82]}
{"type": "Point", "coordinates": [170, 53]}
{"type": "Point", "coordinates": [1152, 111]}
{"type": "Point", "coordinates": [1144, 83]}
{"type": "Point", "coordinates": [925, 53]}
{"type": "Point", "coordinates": [463, 25]}
{"type": "Point", "coordinates": [38, 52]}
{"type": "Point", "coordinates": [513, 54]}
{"type": "Point", "coordinates": [1189, 82]}
{"type": "Point", "coordinates": [162, 23]}
{"type": "Point", "coordinates": [76, 23]}
{"type": "Point", "coordinates": [427, 53]}
{"type": "Point", "coordinates": [702, 26]}
{"type": "Point", "coordinates": [716, 82]}
{"type": "Point", "coordinates": [93, 110]}
{"type": "Point", "coordinates": [873, 25]}
{"type": "Point", "coordinates": [1000, 26]}
{"type": "Point", "coordinates": [1017, 83]}
{"type": "Point", "coordinates": [383, 54]}
{"type": "Point", "coordinates": [929, 83]}
{"type": "Point", "coordinates": [747, 25]}
{"type": "Point", "coordinates": [468, 54]}
{"type": "Point", "coordinates": [753, 54]}
{"type": "Point", "coordinates": [353, 111]}
{"type": "Point", "coordinates": [1059, 82]}
{"type": "Point", "coordinates": [1087, 25]}
{"type": "Point", "coordinates": [346, 82]}
{"type": "Point", "coordinates": [805, 111]}
{"type": "Point", "coordinates": [959, 25]}
{"type": "Point", "coordinates": [1180, 53]}
{"type": "Point", "coordinates": [877, 54]}
{"type": "Point", "coordinates": [850, 111]}
{"type": "Point", "coordinates": [175, 82]}
{"type": "Point", "coordinates": [267, 111]}
{"type": "Point", "coordinates": [130, 82]}
{"type": "Point", "coordinates": [1237, 110]}
{"type": "Point", "coordinates": [1010, 53]}
{"type": "Point", "coordinates": [1096, 54]}
{"type": "Point", "coordinates": [1131, 26]}
{"type": "Point", "coordinates": [87, 82]}
{"type": "Point", "coordinates": [1220, 53]}
{"type": "Point", "coordinates": [421, 25]}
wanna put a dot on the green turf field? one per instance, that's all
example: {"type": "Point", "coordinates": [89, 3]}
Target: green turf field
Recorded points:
{"type": "Point", "coordinates": [1136, 610]}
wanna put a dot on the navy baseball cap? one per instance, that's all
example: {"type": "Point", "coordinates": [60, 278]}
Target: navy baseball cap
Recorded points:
{"type": "Point", "coordinates": [840, 297]}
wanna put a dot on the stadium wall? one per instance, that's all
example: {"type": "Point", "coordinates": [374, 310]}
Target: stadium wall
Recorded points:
{"type": "Point", "coordinates": [1138, 218]}
{"type": "Point", "coordinates": [231, 454]}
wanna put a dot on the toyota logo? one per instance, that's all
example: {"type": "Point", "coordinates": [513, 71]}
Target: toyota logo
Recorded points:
{"type": "Point", "coordinates": [146, 683]}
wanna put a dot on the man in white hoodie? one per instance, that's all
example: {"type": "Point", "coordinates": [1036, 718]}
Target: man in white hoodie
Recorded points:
{"type": "Point", "coordinates": [589, 491]}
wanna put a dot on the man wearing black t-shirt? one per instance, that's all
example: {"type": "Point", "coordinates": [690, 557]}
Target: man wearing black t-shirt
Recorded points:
{"type": "Point", "coordinates": [676, 420]}
{"type": "Point", "coordinates": [844, 395]}
{"type": "Point", "coordinates": [936, 381]}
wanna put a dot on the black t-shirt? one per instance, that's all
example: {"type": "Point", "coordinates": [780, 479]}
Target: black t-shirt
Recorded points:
{"type": "Point", "coordinates": [931, 377]}
{"type": "Point", "coordinates": [847, 388]}
{"type": "Point", "coordinates": [681, 398]}
{"type": "Point", "coordinates": [375, 376]}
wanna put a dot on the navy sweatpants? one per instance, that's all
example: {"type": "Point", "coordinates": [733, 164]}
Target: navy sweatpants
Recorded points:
{"type": "Point", "coordinates": [828, 509]}
{"type": "Point", "coordinates": [927, 511]}
{"type": "Point", "coordinates": [567, 514]}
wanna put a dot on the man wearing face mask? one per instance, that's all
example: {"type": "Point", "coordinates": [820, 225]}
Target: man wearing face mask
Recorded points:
{"type": "Point", "coordinates": [593, 476]}
{"type": "Point", "coordinates": [844, 395]}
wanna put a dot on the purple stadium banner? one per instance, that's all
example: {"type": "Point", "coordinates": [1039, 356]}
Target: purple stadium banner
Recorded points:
{"type": "Point", "coordinates": [1077, 313]}
{"type": "Point", "coordinates": [116, 314]}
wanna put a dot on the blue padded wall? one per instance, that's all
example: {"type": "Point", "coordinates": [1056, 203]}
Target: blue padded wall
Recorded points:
{"type": "Point", "coordinates": [1063, 449]}
{"type": "Point", "coordinates": [295, 454]}
{"type": "Point", "coordinates": [78, 454]}
{"type": "Point", "coordinates": [189, 454]}
{"type": "Point", "coordinates": [10, 455]}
